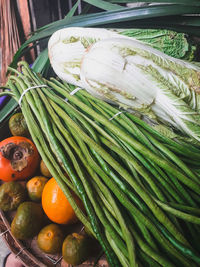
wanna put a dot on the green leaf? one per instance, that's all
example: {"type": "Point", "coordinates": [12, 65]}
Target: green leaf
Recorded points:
{"type": "Point", "coordinates": [7, 109]}
{"type": "Point", "coordinates": [171, 43]}
{"type": "Point", "coordinates": [175, 21]}
{"type": "Point", "coordinates": [188, 25]}
{"type": "Point", "coordinates": [103, 4]}
{"type": "Point", "coordinates": [180, 2]}
{"type": "Point", "coordinates": [42, 62]}
{"type": "Point", "coordinates": [108, 17]}
{"type": "Point", "coordinates": [73, 10]}
{"type": "Point", "coordinates": [125, 14]}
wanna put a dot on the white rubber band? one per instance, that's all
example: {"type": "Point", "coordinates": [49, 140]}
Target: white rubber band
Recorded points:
{"type": "Point", "coordinates": [118, 113]}
{"type": "Point", "coordinates": [29, 88]}
{"type": "Point", "coordinates": [74, 92]}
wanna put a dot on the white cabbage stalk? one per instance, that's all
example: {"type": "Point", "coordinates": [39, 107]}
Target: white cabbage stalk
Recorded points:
{"type": "Point", "coordinates": [127, 72]}
{"type": "Point", "coordinates": [66, 48]}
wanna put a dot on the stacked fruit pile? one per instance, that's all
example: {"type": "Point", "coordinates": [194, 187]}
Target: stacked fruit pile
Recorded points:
{"type": "Point", "coordinates": [41, 208]}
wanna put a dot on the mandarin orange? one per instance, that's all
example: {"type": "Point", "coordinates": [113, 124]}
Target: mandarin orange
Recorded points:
{"type": "Point", "coordinates": [56, 206]}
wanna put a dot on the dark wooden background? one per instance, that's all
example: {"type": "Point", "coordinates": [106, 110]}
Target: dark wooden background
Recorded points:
{"type": "Point", "coordinates": [43, 12]}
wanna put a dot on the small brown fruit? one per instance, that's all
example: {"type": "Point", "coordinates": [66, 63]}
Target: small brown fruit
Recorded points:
{"type": "Point", "coordinates": [12, 194]}
{"type": "Point", "coordinates": [50, 239]}
{"type": "Point", "coordinates": [76, 248]}
{"type": "Point", "coordinates": [28, 220]}
{"type": "Point", "coordinates": [18, 126]}
{"type": "Point", "coordinates": [35, 187]}
{"type": "Point", "coordinates": [44, 170]}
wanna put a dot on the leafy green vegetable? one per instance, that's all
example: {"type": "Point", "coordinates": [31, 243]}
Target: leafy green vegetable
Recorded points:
{"type": "Point", "coordinates": [129, 73]}
{"type": "Point", "coordinates": [170, 42]}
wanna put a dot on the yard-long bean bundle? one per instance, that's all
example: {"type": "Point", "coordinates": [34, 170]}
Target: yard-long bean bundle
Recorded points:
{"type": "Point", "coordinates": [140, 188]}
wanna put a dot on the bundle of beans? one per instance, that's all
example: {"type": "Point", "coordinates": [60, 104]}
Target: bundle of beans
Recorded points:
{"type": "Point", "coordinates": [140, 188]}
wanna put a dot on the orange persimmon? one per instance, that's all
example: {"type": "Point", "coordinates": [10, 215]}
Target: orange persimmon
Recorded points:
{"type": "Point", "coordinates": [19, 158]}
